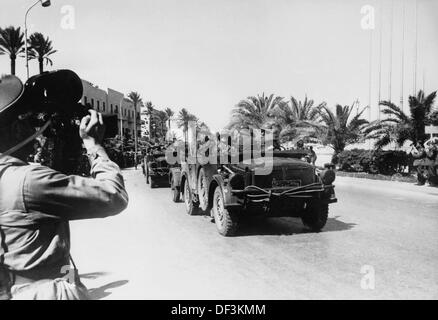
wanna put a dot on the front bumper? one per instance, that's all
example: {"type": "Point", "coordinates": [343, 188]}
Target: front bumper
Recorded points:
{"type": "Point", "coordinates": [283, 200]}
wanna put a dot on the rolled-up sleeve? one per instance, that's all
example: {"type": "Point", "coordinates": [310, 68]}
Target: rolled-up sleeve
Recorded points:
{"type": "Point", "coordinates": [75, 197]}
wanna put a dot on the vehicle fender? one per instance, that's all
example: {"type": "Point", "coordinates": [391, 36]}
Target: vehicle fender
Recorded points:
{"type": "Point", "coordinates": [229, 199]}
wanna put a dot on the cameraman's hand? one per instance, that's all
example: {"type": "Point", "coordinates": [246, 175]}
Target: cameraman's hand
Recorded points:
{"type": "Point", "coordinates": [92, 129]}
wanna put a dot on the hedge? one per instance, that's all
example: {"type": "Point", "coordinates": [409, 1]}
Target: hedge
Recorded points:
{"type": "Point", "coordinates": [373, 161]}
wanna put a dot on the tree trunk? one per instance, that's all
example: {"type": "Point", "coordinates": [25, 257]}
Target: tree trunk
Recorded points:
{"type": "Point", "coordinates": [40, 63]}
{"type": "Point", "coordinates": [135, 134]}
{"type": "Point", "coordinates": [150, 126]}
{"type": "Point", "coordinates": [12, 65]}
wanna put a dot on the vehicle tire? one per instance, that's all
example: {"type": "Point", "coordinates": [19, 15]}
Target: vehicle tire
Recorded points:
{"type": "Point", "coordinates": [153, 184]}
{"type": "Point", "coordinates": [176, 193]}
{"type": "Point", "coordinates": [191, 206]}
{"type": "Point", "coordinates": [315, 215]}
{"type": "Point", "coordinates": [203, 190]}
{"type": "Point", "coordinates": [227, 222]}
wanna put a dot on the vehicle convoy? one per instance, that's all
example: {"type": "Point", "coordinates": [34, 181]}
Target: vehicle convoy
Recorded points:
{"type": "Point", "coordinates": [156, 167]}
{"type": "Point", "coordinates": [231, 192]}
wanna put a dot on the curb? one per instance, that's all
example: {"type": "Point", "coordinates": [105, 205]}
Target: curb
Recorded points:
{"type": "Point", "coordinates": [363, 175]}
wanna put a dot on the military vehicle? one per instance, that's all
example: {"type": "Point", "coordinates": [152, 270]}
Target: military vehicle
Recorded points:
{"type": "Point", "coordinates": [156, 167]}
{"type": "Point", "coordinates": [230, 192]}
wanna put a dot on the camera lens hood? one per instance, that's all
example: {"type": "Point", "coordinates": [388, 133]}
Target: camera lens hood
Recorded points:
{"type": "Point", "coordinates": [54, 91]}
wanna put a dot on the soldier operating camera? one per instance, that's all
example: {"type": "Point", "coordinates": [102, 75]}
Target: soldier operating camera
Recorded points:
{"type": "Point", "coordinates": [37, 202]}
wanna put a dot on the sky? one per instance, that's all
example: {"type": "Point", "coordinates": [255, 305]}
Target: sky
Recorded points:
{"type": "Point", "coordinates": [207, 55]}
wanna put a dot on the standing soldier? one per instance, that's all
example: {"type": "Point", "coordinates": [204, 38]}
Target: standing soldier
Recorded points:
{"type": "Point", "coordinates": [37, 203]}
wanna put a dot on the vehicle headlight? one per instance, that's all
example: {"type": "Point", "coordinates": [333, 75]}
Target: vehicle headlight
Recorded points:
{"type": "Point", "coordinates": [328, 176]}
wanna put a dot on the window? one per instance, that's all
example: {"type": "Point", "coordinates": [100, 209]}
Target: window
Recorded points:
{"type": "Point", "coordinates": [117, 109]}
{"type": "Point", "coordinates": [111, 108]}
{"type": "Point", "coordinates": [85, 100]}
{"type": "Point", "coordinates": [98, 105]}
{"type": "Point", "coordinates": [103, 106]}
{"type": "Point", "coordinates": [92, 102]}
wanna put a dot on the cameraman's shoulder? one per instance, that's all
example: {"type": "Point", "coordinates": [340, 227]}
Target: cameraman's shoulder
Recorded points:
{"type": "Point", "coordinates": [37, 173]}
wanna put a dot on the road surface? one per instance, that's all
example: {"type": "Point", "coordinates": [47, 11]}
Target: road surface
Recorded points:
{"type": "Point", "coordinates": [381, 242]}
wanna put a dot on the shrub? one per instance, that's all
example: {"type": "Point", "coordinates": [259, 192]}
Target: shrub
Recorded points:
{"type": "Point", "coordinates": [374, 161]}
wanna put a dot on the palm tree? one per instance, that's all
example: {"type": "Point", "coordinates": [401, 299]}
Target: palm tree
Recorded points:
{"type": "Point", "coordinates": [162, 118]}
{"type": "Point", "coordinates": [297, 119]}
{"type": "Point", "coordinates": [149, 111]}
{"type": "Point", "coordinates": [254, 112]}
{"type": "Point", "coordinates": [183, 119]}
{"type": "Point", "coordinates": [201, 126]}
{"type": "Point", "coordinates": [399, 126]}
{"type": "Point", "coordinates": [339, 130]}
{"type": "Point", "coordinates": [40, 48]}
{"type": "Point", "coordinates": [169, 113]}
{"type": "Point", "coordinates": [11, 42]}
{"type": "Point", "coordinates": [136, 100]}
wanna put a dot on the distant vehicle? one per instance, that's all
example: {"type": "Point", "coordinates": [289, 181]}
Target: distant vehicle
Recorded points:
{"type": "Point", "coordinates": [156, 167]}
{"type": "Point", "coordinates": [230, 192]}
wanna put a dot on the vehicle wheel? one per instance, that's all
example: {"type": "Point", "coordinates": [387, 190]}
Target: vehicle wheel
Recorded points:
{"type": "Point", "coordinates": [203, 190]}
{"type": "Point", "coordinates": [153, 184]}
{"type": "Point", "coordinates": [226, 220]}
{"type": "Point", "coordinates": [315, 215]}
{"type": "Point", "coordinates": [191, 206]}
{"type": "Point", "coordinates": [175, 194]}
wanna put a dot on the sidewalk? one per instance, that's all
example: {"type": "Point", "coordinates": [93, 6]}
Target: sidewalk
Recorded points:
{"type": "Point", "coordinates": [395, 187]}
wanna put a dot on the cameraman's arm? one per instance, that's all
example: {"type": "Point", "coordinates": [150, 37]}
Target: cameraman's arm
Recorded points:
{"type": "Point", "coordinates": [76, 197]}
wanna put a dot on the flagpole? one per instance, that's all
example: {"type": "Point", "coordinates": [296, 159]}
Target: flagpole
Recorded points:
{"type": "Point", "coordinates": [403, 57]}
{"type": "Point", "coordinates": [370, 74]}
{"type": "Point", "coordinates": [390, 50]}
{"type": "Point", "coordinates": [416, 48]}
{"type": "Point", "coordinates": [380, 57]}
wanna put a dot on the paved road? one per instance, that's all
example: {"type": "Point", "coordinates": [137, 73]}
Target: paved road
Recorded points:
{"type": "Point", "coordinates": [154, 250]}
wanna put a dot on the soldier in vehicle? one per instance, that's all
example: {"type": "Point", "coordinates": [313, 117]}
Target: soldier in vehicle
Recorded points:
{"type": "Point", "coordinates": [37, 203]}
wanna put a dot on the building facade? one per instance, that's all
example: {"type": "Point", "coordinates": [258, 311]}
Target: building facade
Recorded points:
{"type": "Point", "coordinates": [113, 104]}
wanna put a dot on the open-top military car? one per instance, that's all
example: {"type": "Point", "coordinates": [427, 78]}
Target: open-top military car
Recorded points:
{"type": "Point", "coordinates": [230, 192]}
{"type": "Point", "coordinates": [156, 167]}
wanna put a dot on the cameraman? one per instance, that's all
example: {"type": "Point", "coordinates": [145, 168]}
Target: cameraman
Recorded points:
{"type": "Point", "coordinates": [37, 203]}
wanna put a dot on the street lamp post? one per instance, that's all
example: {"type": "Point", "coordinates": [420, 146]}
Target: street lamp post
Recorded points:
{"type": "Point", "coordinates": [44, 4]}
{"type": "Point", "coordinates": [121, 130]}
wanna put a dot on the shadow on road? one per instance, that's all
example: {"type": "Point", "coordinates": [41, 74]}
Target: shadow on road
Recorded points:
{"type": "Point", "coordinates": [101, 292]}
{"type": "Point", "coordinates": [333, 224]}
{"type": "Point", "coordinates": [287, 226]}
